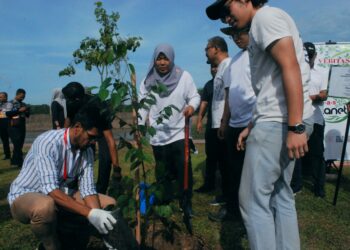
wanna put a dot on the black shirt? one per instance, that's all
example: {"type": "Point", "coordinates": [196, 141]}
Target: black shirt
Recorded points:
{"type": "Point", "coordinates": [207, 96]}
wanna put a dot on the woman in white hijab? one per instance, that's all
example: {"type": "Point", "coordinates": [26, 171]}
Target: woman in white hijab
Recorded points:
{"type": "Point", "coordinates": [168, 142]}
{"type": "Point", "coordinates": [58, 109]}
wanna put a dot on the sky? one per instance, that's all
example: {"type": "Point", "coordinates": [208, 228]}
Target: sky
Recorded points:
{"type": "Point", "coordinates": [38, 37]}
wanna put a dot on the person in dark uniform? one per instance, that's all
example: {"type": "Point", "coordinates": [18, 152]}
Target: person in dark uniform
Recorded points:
{"type": "Point", "coordinates": [4, 107]}
{"type": "Point", "coordinates": [18, 113]}
{"type": "Point", "coordinates": [212, 160]}
{"type": "Point", "coordinates": [76, 99]}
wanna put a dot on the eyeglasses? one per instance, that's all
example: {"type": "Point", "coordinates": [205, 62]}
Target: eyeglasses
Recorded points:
{"type": "Point", "coordinates": [225, 11]}
{"type": "Point", "coordinates": [208, 47]}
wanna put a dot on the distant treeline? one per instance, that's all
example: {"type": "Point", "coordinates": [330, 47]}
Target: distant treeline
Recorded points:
{"type": "Point", "coordinates": [45, 109]}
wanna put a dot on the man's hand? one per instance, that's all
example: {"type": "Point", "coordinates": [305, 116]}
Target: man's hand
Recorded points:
{"type": "Point", "coordinates": [221, 131]}
{"type": "Point", "coordinates": [296, 145]}
{"type": "Point", "coordinates": [242, 138]}
{"type": "Point", "coordinates": [101, 220]}
{"type": "Point", "coordinates": [117, 173]}
{"type": "Point", "coordinates": [188, 112]}
{"type": "Point", "coordinates": [199, 126]}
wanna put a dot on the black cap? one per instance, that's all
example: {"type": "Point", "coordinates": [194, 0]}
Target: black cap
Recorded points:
{"type": "Point", "coordinates": [310, 49]}
{"type": "Point", "coordinates": [232, 30]}
{"type": "Point", "coordinates": [214, 10]}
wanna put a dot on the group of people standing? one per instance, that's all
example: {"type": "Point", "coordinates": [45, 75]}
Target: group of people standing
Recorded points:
{"type": "Point", "coordinates": [266, 121]}
{"type": "Point", "coordinates": [13, 116]}
{"type": "Point", "coordinates": [260, 117]}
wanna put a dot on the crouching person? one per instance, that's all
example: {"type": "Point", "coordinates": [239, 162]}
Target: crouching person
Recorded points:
{"type": "Point", "coordinates": [57, 175]}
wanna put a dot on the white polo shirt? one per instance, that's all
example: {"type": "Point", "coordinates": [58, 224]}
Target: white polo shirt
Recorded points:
{"type": "Point", "coordinates": [268, 25]}
{"type": "Point", "coordinates": [318, 82]}
{"type": "Point", "coordinates": [242, 98]}
{"type": "Point", "coordinates": [218, 103]}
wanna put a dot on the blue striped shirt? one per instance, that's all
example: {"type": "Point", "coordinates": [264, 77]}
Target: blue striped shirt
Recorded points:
{"type": "Point", "coordinates": [42, 170]}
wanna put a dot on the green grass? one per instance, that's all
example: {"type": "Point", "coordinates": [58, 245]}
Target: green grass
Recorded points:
{"type": "Point", "coordinates": [322, 225]}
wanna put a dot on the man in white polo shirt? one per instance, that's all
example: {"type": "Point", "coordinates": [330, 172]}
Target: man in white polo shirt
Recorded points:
{"type": "Point", "coordinates": [239, 103]}
{"type": "Point", "coordinates": [217, 54]}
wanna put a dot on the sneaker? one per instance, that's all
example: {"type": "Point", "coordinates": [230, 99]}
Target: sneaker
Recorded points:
{"type": "Point", "coordinates": [221, 215]}
{"type": "Point", "coordinates": [195, 152]}
{"type": "Point", "coordinates": [204, 189]}
{"type": "Point", "coordinates": [40, 246]}
{"type": "Point", "coordinates": [218, 201]}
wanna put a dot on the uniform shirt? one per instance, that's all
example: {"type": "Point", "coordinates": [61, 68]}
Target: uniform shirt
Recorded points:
{"type": "Point", "coordinates": [13, 112]}
{"type": "Point", "coordinates": [241, 95]}
{"type": "Point", "coordinates": [318, 82]}
{"type": "Point", "coordinates": [207, 96]}
{"type": "Point", "coordinates": [268, 25]}
{"type": "Point", "coordinates": [218, 104]}
{"type": "Point", "coordinates": [172, 129]}
{"type": "Point", "coordinates": [4, 107]}
{"type": "Point", "coordinates": [42, 170]}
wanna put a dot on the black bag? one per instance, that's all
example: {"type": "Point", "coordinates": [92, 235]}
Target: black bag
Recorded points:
{"type": "Point", "coordinates": [121, 237]}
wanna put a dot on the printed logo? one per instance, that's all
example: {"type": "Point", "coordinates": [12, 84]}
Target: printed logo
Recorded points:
{"type": "Point", "coordinates": [334, 110]}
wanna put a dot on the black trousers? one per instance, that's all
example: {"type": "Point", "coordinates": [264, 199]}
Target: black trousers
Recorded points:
{"type": "Point", "coordinates": [217, 157]}
{"type": "Point", "coordinates": [313, 162]}
{"type": "Point", "coordinates": [17, 135]}
{"type": "Point", "coordinates": [4, 135]}
{"type": "Point", "coordinates": [104, 166]}
{"type": "Point", "coordinates": [236, 160]}
{"type": "Point", "coordinates": [170, 161]}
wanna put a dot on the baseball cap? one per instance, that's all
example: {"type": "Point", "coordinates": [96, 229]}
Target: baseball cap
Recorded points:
{"type": "Point", "coordinates": [233, 30]}
{"type": "Point", "coordinates": [214, 10]}
{"type": "Point", "coordinates": [310, 49]}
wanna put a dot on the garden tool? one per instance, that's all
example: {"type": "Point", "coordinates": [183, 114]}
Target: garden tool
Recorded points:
{"type": "Point", "coordinates": [186, 198]}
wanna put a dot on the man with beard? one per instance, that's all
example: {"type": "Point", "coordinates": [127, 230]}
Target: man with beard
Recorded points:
{"type": "Point", "coordinates": [57, 174]}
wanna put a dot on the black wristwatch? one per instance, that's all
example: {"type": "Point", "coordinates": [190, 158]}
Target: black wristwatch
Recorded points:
{"type": "Point", "coordinates": [298, 128]}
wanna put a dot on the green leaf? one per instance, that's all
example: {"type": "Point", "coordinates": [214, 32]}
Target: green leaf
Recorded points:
{"type": "Point", "coordinates": [116, 100]}
{"type": "Point", "coordinates": [151, 130]}
{"type": "Point", "coordinates": [163, 211]}
{"type": "Point", "coordinates": [103, 94]}
{"type": "Point", "coordinates": [122, 123]}
{"type": "Point", "coordinates": [132, 69]}
{"type": "Point", "coordinates": [135, 164]}
{"type": "Point", "coordinates": [122, 200]}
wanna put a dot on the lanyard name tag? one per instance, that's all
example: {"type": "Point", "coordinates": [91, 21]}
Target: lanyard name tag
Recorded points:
{"type": "Point", "coordinates": [69, 186]}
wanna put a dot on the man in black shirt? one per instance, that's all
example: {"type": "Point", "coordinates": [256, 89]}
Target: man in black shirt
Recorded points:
{"type": "Point", "coordinates": [211, 138]}
{"type": "Point", "coordinates": [76, 100]}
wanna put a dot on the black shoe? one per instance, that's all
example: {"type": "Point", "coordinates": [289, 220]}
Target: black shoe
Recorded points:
{"type": "Point", "coordinates": [40, 247]}
{"type": "Point", "coordinates": [218, 201]}
{"type": "Point", "coordinates": [320, 194]}
{"type": "Point", "coordinates": [6, 158]}
{"type": "Point", "coordinates": [204, 189]}
{"type": "Point", "coordinates": [220, 216]}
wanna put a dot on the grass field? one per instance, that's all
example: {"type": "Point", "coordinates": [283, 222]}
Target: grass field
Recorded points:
{"type": "Point", "coordinates": [322, 225]}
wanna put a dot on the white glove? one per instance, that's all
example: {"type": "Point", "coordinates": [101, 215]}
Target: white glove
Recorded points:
{"type": "Point", "coordinates": [102, 220]}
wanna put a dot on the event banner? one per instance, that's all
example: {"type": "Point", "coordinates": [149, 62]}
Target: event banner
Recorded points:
{"type": "Point", "coordinates": [334, 109]}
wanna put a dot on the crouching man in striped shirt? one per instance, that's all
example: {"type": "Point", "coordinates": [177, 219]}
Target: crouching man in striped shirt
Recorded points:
{"type": "Point", "coordinates": [57, 174]}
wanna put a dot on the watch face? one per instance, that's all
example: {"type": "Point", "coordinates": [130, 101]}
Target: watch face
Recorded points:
{"type": "Point", "coordinates": [298, 128]}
